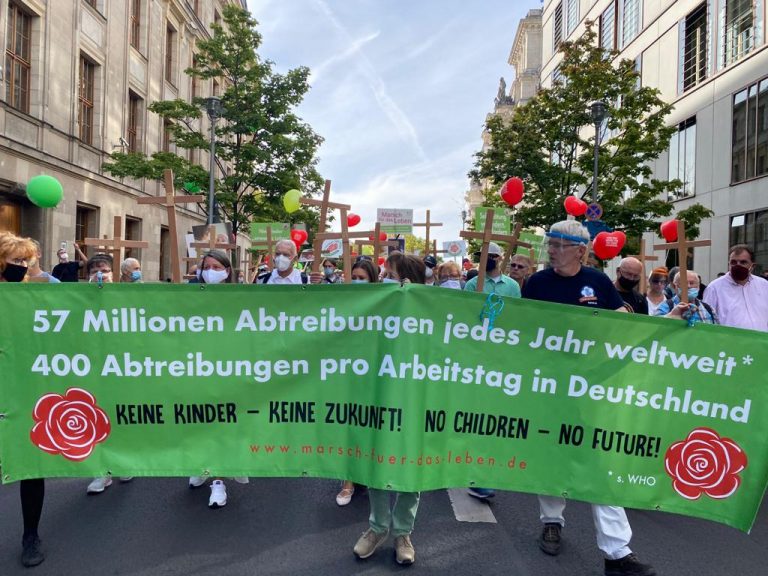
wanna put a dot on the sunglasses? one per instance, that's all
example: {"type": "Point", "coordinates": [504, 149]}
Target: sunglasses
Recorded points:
{"type": "Point", "coordinates": [518, 266]}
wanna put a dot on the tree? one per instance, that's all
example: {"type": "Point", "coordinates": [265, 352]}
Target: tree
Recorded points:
{"type": "Point", "coordinates": [262, 148]}
{"type": "Point", "coordinates": [549, 142]}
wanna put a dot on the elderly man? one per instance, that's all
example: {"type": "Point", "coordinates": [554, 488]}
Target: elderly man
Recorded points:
{"type": "Point", "coordinates": [695, 310]}
{"type": "Point", "coordinates": [495, 281]}
{"type": "Point", "coordinates": [740, 297]}
{"type": "Point", "coordinates": [130, 270]}
{"type": "Point", "coordinates": [568, 282]}
{"type": "Point", "coordinates": [519, 268]}
{"type": "Point", "coordinates": [627, 278]}
{"type": "Point", "coordinates": [284, 271]}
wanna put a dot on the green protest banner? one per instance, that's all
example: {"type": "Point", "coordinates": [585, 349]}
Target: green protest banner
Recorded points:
{"type": "Point", "coordinates": [280, 230]}
{"type": "Point", "coordinates": [176, 380]}
{"type": "Point", "coordinates": [501, 222]}
{"type": "Point", "coordinates": [538, 245]}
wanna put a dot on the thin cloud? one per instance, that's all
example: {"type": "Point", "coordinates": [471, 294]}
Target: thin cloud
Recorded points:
{"type": "Point", "coordinates": [352, 50]}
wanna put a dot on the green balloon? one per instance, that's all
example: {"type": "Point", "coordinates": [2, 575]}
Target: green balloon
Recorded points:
{"type": "Point", "coordinates": [291, 201]}
{"type": "Point", "coordinates": [45, 191]}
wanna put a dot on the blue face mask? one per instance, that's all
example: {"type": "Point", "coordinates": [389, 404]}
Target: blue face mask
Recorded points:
{"type": "Point", "coordinates": [135, 275]}
{"type": "Point", "coordinates": [359, 281]}
{"type": "Point", "coordinates": [454, 284]}
{"type": "Point", "coordinates": [692, 293]}
{"type": "Point", "coordinates": [390, 281]}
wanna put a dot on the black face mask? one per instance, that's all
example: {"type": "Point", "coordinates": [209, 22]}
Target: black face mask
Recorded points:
{"type": "Point", "coordinates": [628, 284]}
{"type": "Point", "coordinates": [14, 273]}
{"type": "Point", "coordinates": [490, 266]}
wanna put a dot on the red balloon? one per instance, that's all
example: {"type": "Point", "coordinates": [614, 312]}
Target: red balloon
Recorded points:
{"type": "Point", "coordinates": [382, 260]}
{"type": "Point", "coordinates": [575, 206]}
{"type": "Point", "coordinates": [299, 237]}
{"type": "Point", "coordinates": [352, 220]}
{"type": "Point", "coordinates": [382, 237]}
{"type": "Point", "coordinates": [669, 230]}
{"type": "Point", "coordinates": [607, 245]}
{"type": "Point", "coordinates": [512, 191]}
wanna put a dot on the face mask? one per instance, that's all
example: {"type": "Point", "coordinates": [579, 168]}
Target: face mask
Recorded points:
{"type": "Point", "coordinates": [215, 276]}
{"type": "Point", "coordinates": [101, 277]}
{"type": "Point", "coordinates": [14, 273]}
{"type": "Point", "coordinates": [282, 263]}
{"type": "Point", "coordinates": [490, 266]}
{"type": "Point", "coordinates": [328, 270]}
{"type": "Point", "coordinates": [390, 281]}
{"type": "Point", "coordinates": [453, 284]}
{"type": "Point", "coordinates": [359, 281]}
{"type": "Point", "coordinates": [739, 273]}
{"type": "Point", "coordinates": [63, 257]}
{"type": "Point", "coordinates": [693, 293]}
{"type": "Point", "coordinates": [135, 275]}
{"type": "Point", "coordinates": [627, 284]}
{"type": "Point", "coordinates": [429, 272]}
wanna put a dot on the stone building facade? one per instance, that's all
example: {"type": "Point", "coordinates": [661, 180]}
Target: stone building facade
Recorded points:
{"type": "Point", "coordinates": [76, 78]}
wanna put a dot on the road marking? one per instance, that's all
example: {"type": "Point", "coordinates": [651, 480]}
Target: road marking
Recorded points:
{"type": "Point", "coordinates": [469, 509]}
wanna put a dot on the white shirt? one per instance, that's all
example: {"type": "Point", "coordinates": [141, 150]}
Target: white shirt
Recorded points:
{"type": "Point", "coordinates": [653, 307]}
{"type": "Point", "coordinates": [293, 278]}
{"type": "Point", "coordinates": [737, 305]}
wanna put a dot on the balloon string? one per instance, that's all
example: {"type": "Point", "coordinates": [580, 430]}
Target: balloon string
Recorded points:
{"type": "Point", "coordinates": [494, 304]}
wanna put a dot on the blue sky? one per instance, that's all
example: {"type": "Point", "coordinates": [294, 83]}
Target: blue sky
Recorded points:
{"type": "Point", "coordinates": [399, 90]}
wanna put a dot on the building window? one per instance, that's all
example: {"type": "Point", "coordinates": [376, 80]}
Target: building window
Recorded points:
{"type": "Point", "coordinates": [751, 229]}
{"type": "Point", "coordinates": [86, 226]}
{"type": "Point", "coordinates": [135, 24]}
{"type": "Point", "coordinates": [608, 28]}
{"type": "Point", "coordinates": [737, 22]}
{"type": "Point", "coordinates": [170, 55]}
{"type": "Point", "coordinates": [195, 90]}
{"type": "Point", "coordinates": [85, 90]}
{"type": "Point", "coordinates": [18, 51]}
{"type": "Point", "coordinates": [749, 152]}
{"type": "Point", "coordinates": [694, 48]}
{"type": "Point", "coordinates": [165, 255]}
{"type": "Point", "coordinates": [167, 135]}
{"type": "Point", "coordinates": [134, 121]}
{"type": "Point", "coordinates": [682, 159]}
{"type": "Point", "coordinates": [132, 232]}
{"type": "Point", "coordinates": [631, 17]}
{"type": "Point", "coordinates": [215, 88]}
{"type": "Point", "coordinates": [571, 15]}
{"type": "Point", "coordinates": [557, 26]}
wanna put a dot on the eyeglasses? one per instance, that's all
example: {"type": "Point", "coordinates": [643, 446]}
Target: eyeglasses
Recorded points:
{"type": "Point", "coordinates": [629, 276]}
{"type": "Point", "coordinates": [518, 266]}
{"type": "Point", "coordinates": [560, 245]}
{"type": "Point", "coordinates": [659, 281]}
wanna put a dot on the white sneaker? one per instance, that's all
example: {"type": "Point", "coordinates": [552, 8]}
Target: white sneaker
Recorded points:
{"type": "Point", "coordinates": [197, 481]}
{"type": "Point", "coordinates": [126, 478]}
{"type": "Point", "coordinates": [98, 485]}
{"type": "Point", "coordinates": [241, 479]}
{"type": "Point", "coordinates": [218, 497]}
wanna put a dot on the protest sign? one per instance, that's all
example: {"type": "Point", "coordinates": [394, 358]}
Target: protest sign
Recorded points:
{"type": "Point", "coordinates": [395, 220]}
{"type": "Point", "coordinates": [237, 380]}
{"type": "Point", "coordinates": [501, 222]}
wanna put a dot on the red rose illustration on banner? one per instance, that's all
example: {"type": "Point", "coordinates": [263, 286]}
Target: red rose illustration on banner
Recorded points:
{"type": "Point", "coordinates": [70, 425]}
{"type": "Point", "coordinates": [705, 462]}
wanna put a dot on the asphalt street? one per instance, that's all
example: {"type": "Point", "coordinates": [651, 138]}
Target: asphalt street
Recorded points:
{"type": "Point", "coordinates": [158, 526]}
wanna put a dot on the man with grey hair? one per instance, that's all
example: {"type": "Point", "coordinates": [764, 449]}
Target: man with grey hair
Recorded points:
{"type": "Point", "coordinates": [284, 271]}
{"type": "Point", "coordinates": [696, 310]}
{"type": "Point", "coordinates": [627, 278]}
{"type": "Point", "coordinates": [130, 270]}
{"type": "Point", "coordinates": [568, 282]}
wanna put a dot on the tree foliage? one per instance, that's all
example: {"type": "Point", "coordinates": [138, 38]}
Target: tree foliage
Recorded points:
{"type": "Point", "coordinates": [262, 148]}
{"type": "Point", "coordinates": [550, 141]}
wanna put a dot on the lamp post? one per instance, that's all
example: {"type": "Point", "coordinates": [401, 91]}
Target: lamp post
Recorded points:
{"type": "Point", "coordinates": [214, 109]}
{"type": "Point", "coordinates": [599, 113]}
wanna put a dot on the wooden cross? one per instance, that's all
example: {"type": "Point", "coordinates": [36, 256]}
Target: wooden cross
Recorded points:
{"type": "Point", "coordinates": [116, 244]}
{"type": "Point", "coordinates": [682, 246]}
{"type": "Point", "coordinates": [212, 244]}
{"type": "Point", "coordinates": [487, 236]}
{"type": "Point", "coordinates": [643, 257]}
{"type": "Point", "coordinates": [373, 236]}
{"type": "Point", "coordinates": [512, 246]}
{"type": "Point", "coordinates": [325, 204]}
{"type": "Point", "coordinates": [170, 201]}
{"type": "Point", "coordinates": [269, 245]}
{"type": "Point", "coordinates": [428, 225]}
{"type": "Point", "coordinates": [585, 258]}
{"type": "Point", "coordinates": [360, 243]}
{"type": "Point", "coordinates": [435, 251]}
{"type": "Point", "coordinates": [244, 264]}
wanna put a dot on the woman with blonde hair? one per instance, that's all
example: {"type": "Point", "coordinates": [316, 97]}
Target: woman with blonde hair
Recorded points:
{"type": "Point", "coordinates": [15, 254]}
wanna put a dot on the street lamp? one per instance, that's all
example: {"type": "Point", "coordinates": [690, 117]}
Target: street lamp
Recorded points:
{"type": "Point", "coordinates": [214, 109]}
{"type": "Point", "coordinates": [599, 114]}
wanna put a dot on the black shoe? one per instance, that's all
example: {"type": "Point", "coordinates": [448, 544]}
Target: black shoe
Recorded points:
{"type": "Point", "coordinates": [549, 542]}
{"type": "Point", "coordinates": [30, 552]}
{"type": "Point", "coordinates": [628, 566]}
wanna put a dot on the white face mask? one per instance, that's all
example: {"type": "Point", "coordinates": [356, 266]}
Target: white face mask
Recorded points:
{"type": "Point", "coordinates": [454, 284]}
{"type": "Point", "coordinates": [215, 276]}
{"type": "Point", "coordinates": [429, 272]}
{"type": "Point", "coordinates": [282, 262]}
{"type": "Point", "coordinates": [359, 281]}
